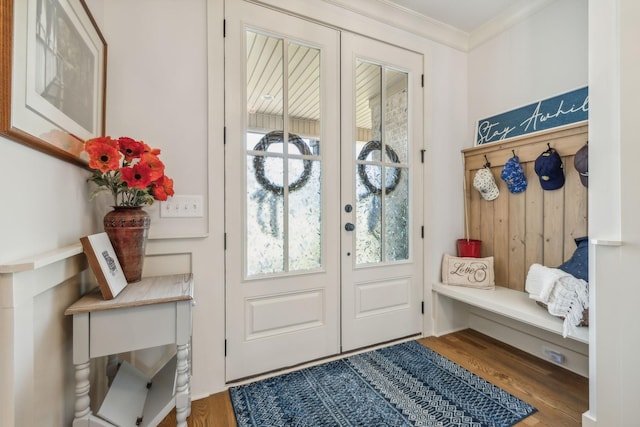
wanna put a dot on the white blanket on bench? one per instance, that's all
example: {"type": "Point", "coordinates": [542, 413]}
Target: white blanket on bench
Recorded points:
{"type": "Point", "coordinates": [565, 295]}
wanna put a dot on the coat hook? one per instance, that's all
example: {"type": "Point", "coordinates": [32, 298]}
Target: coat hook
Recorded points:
{"type": "Point", "coordinates": [514, 152]}
{"type": "Point", "coordinates": [548, 146]}
{"type": "Point", "coordinates": [487, 164]}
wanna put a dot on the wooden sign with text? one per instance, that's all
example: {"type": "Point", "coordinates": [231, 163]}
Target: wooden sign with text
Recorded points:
{"type": "Point", "coordinates": [568, 108]}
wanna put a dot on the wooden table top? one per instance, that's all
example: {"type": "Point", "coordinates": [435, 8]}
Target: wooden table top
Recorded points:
{"type": "Point", "coordinates": [149, 290]}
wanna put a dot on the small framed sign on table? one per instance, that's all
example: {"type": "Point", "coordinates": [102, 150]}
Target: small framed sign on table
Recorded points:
{"type": "Point", "coordinates": [104, 264]}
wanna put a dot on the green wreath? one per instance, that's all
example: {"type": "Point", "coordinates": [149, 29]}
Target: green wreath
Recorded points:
{"type": "Point", "coordinates": [277, 137]}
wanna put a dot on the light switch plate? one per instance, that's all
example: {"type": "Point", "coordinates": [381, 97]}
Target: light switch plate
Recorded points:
{"type": "Point", "coordinates": [182, 206]}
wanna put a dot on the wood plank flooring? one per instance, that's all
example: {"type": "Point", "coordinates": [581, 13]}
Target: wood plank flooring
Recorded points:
{"type": "Point", "coordinates": [559, 395]}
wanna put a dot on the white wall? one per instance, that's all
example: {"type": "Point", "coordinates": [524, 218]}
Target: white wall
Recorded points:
{"type": "Point", "coordinates": [159, 90]}
{"type": "Point", "coordinates": [543, 56]}
{"type": "Point", "coordinates": [614, 85]}
{"type": "Point", "coordinates": [45, 203]}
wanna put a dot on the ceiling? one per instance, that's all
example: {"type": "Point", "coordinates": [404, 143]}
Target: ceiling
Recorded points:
{"type": "Point", "coordinates": [465, 15]}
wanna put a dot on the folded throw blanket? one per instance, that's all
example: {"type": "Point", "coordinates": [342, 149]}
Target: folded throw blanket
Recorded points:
{"type": "Point", "coordinates": [565, 295]}
{"type": "Point", "coordinates": [541, 281]}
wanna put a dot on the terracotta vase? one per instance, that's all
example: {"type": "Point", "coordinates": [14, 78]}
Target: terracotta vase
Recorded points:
{"type": "Point", "coordinates": [128, 228]}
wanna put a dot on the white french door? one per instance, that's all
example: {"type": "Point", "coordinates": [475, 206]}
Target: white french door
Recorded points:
{"type": "Point", "coordinates": [282, 214]}
{"type": "Point", "coordinates": [381, 192]}
{"type": "Point", "coordinates": [299, 286]}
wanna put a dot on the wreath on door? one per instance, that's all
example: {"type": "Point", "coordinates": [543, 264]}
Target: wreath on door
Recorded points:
{"type": "Point", "coordinates": [270, 193]}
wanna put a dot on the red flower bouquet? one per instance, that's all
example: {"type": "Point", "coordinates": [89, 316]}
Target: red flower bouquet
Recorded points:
{"type": "Point", "coordinates": [129, 169]}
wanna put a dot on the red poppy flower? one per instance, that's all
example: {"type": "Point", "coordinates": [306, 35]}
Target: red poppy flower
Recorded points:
{"type": "Point", "coordinates": [100, 141]}
{"type": "Point", "coordinates": [162, 188]}
{"type": "Point", "coordinates": [129, 169]}
{"type": "Point", "coordinates": [103, 156]}
{"type": "Point", "coordinates": [147, 149]}
{"type": "Point", "coordinates": [154, 163]}
{"type": "Point", "coordinates": [137, 176]}
{"type": "Point", "coordinates": [130, 148]}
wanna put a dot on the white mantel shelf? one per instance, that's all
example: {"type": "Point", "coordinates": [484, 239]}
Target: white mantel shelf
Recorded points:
{"type": "Point", "coordinates": [41, 260]}
{"type": "Point", "coordinates": [510, 303]}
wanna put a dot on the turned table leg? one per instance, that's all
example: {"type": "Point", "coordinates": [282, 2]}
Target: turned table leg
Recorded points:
{"type": "Point", "coordinates": [82, 409]}
{"type": "Point", "coordinates": [183, 403]}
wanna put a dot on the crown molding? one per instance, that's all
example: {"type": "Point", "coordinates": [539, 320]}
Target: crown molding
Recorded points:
{"type": "Point", "coordinates": [403, 19]}
{"type": "Point", "coordinates": [407, 20]}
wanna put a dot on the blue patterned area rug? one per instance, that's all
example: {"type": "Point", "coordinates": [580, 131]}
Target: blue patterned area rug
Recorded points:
{"type": "Point", "coordinates": [406, 384]}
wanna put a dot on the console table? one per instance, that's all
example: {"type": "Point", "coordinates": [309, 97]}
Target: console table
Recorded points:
{"type": "Point", "coordinates": [152, 312]}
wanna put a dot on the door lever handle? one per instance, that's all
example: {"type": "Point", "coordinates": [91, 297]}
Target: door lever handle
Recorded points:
{"type": "Point", "coordinates": [349, 227]}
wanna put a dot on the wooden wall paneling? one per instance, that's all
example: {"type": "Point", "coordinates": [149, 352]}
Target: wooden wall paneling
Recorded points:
{"type": "Point", "coordinates": [517, 223]}
{"type": "Point", "coordinates": [553, 220]}
{"type": "Point", "coordinates": [486, 226]}
{"type": "Point", "coordinates": [501, 231]}
{"type": "Point", "coordinates": [536, 226]}
{"type": "Point", "coordinates": [474, 199]}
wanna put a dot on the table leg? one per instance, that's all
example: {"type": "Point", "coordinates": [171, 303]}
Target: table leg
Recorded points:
{"type": "Point", "coordinates": [82, 409]}
{"type": "Point", "coordinates": [183, 404]}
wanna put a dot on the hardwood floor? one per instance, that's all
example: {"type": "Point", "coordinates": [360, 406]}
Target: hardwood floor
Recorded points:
{"type": "Point", "coordinates": [559, 395]}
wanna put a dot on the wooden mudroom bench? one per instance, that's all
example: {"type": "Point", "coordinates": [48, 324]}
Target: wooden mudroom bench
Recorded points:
{"type": "Point", "coordinates": [518, 230]}
{"type": "Point", "coordinates": [512, 304]}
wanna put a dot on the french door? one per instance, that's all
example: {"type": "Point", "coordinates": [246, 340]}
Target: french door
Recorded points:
{"type": "Point", "coordinates": [381, 192]}
{"type": "Point", "coordinates": [301, 283]}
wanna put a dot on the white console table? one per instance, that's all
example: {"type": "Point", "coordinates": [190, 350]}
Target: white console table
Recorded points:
{"type": "Point", "coordinates": [152, 312]}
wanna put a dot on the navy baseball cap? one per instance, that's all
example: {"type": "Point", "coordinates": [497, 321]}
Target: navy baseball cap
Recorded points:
{"type": "Point", "coordinates": [550, 170]}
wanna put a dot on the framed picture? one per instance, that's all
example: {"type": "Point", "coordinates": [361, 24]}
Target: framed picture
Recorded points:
{"type": "Point", "coordinates": [104, 264]}
{"type": "Point", "coordinates": [52, 76]}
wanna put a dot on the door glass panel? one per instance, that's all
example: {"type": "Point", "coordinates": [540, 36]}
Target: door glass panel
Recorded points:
{"type": "Point", "coordinates": [265, 219]}
{"type": "Point", "coordinates": [395, 113]}
{"type": "Point", "coordinates": [265, 82]}
{"type": "Point", "coordinates": [382, 185]}
{"type": "Point", "coordinates": [368, 215]}
{"type": "Point", "coordinates": [305, 220]}
{"type": "Point", "coordinates": [283, 216]}
{"type": "Point", "coordinates": [368, 92]}
{"type": "Point", "coordinates": [304, 93]}
{"type": "Point", "coordinates": [396, 214]}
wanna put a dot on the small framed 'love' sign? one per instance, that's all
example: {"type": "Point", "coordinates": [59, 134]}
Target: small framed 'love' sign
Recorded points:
{"type": "Point", "coordinates": [470, 272]}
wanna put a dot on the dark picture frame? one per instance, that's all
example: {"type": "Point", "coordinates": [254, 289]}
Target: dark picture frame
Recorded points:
{"type": "Point", "coordinates": [53, 63]}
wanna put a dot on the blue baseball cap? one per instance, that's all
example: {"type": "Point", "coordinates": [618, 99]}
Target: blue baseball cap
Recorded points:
{"type": "Point", "coordinates": [550, 170]}
{"type": "Point", "coordinates": [514, 176]}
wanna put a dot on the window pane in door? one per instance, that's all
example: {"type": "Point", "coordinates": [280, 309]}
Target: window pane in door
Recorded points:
{"type": "Point", "coordinates": [396, 123]}
{"type": "Point", "coordinates": [304, 93]}
{"type": "Point", "coordinates": [305, 219]}
{"type": "Point", "coordinates": [396, 241]}
{"type": "Point", "coordinates": [265, 218]}
{"type": "Point", "coordinates": [265, 82]}
{"type": "Point", "coordinates": [368, 92]}
{"type": "Point", "coordinates": [368, 214]}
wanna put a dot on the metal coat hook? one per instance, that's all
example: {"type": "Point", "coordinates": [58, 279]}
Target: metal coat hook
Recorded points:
{"type": "Point", "coordinates": [514, 152]}
{"type": "Point", "coordinates": [487, 164]}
